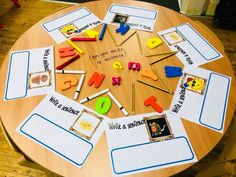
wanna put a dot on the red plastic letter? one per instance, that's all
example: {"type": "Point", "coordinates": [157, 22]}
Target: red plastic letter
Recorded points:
{"type": "Point", "coordinates": [67, 52]}
{"type": "Point", "coordinates": [151, 101]}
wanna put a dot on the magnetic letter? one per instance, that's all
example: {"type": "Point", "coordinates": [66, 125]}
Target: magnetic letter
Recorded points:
{"type": "Point", "coordinates": [116, 81]}
{"type": "Point", "coordinates": [151, 101]}
{"type": "Point", "coordinates": [149, 73]}
{"type": "Point", "coordinates": [123, 29]}
{"type": "Point", "coordinates": [67, 82]}
{"type": "Point", "coordinates": [134, 66]}
{"type": "Point", "coordinates": [117, 65]}
{"type": "Point", "coordinates": [154, 42]}
{"type": "Point", "coordinates": [96, 79]}
{"type": "Point", "coordinates": [103, 105]}
{"type": "Point", "coordinates": [67, 52]}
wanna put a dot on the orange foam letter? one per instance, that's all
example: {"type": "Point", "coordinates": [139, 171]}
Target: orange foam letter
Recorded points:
{"type": "Point", "coordinates": [67, 52]}
{"type": "Point", "coordinates": [96, 79]}
{"type": "Point", "coordinates": [149, 73]}
{"type": "Point", "coordinates": [151, 101]}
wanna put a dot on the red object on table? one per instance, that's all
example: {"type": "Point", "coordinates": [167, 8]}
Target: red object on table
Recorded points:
{"type": "Point", "coordinates": [151, 101]}
{"type": "Point", "coordinates": [1, 26]}
{"type": "Point", "coordinates": [63, 65]}
{"type": "Point", "coordinates": [16, 2]}
{"type": "Point", "coordinates": [83, 39]}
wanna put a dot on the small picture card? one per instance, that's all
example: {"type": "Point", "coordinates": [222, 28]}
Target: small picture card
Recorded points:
{"type": "Point", "coordinates": [193, 49]}
{"type": "Point", "coordinates": [158, 128]}
{"type": "Point", "coordinates": [146, 142]}
{"type": "Point", "coordinates": [69, 30]}
{"type": "Point", "coordinates": [86, 124]}
{"type": "Point", "coordinates": [30, 73]}
{"type": "Point", "coordinates": [201, 96]}
{"type": "Point", "coordinates": [173, 37]}
{"type": "Point", "coordinates": [120, 18]}
{"type": "Point", "coordinates": [194, 83]}
{"type": "Point", "coordinates": [137, 18]}
{"type": "Point", "coordinates": [68, 25]}
{"type": "Point", "coordinates": [39, 79]}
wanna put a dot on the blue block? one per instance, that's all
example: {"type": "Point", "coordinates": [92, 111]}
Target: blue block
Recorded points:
{"type": "Point", "coordinates": [174, 74]}
{"type": "Point", "coordinates": [123, 29]}
{"type": "Point", "coordinates": [172, 68]}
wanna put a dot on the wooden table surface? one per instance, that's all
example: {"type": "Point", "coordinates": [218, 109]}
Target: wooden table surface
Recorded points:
{"type": "Point", "coordinates": [14, 112]}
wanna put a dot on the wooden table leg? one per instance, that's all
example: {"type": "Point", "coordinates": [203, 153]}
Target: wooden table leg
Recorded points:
{"type": "Point", "coordinates": [1, 26]}
{"type": "Point", "coordinates": [16, 2]}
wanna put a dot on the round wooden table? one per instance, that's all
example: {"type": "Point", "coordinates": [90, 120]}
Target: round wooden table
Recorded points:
{"type": "Point", "coordinates": [14, 112]}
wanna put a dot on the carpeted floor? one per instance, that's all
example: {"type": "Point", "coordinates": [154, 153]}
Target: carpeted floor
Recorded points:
{"type": "Point", "coordinates": [172, 4]}
{"type": "Point", "coordinates": [16, 21]}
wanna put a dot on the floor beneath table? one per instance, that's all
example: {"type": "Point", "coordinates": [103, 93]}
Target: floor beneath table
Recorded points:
{"type": "Point", "coordinates": [172, 4]}
{"type": "Point", "coordinates": [16, 21]}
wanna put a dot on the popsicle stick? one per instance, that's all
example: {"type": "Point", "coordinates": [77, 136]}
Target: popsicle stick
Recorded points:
{"type": "Point", "coordinates": [158, 88]}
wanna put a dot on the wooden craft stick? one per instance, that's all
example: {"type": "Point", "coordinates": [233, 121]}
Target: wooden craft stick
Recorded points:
{"type": "Point", "coordinates": [75, 46]}
{"type": "Point", "coordinates": [158, 75]}
{"type": "Point", "coordinates": [70, 72]}
{"type": "Point", "coordinates": [118, 104]}
{"type": "Point", "coordinates": [139, 44]}
{"type": "Point", "coordinates": [63, 65]}
{"type": "Point", "coordinates": [94, 96]}
{"type": "Point", "coordinates": [76, 95]}
{"type": "Point", "coordinates": [112, 37]}
{"type": "Point", "coordinates": [163, 53]}
{"type": "Point", "coordinates": [165, 57]}
{"type": "Point", "coordinates": [163, 90]}
{"type": "Point", "coordinates": [127, 38]}
{"type": "Point", "coordinates": [133, 97]}
{"type": "Point", "coordinates": [103, 32]}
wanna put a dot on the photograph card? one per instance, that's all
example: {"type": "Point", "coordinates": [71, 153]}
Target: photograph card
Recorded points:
{"type": "Point", "coordinates": [30, 73]}
{"type": "Point", "coordinates": [158, 128]}
{"type": "Point", "coordinates": [193, 49]}
{"type": "Point", "coordinates": [40, 79]}
{"type": "Point", "coordinates": [68, 25]}
{"type": "Point", "coordinates": [136, 17]}
{"type": "Point", "coordinates": [58, 116]}
{"type": "Point", "coordinates": [147, 142]}
{"type": "Point", "coordinates": [86, 124]}
{"type": "Point", "coordinates": [201, 97]}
